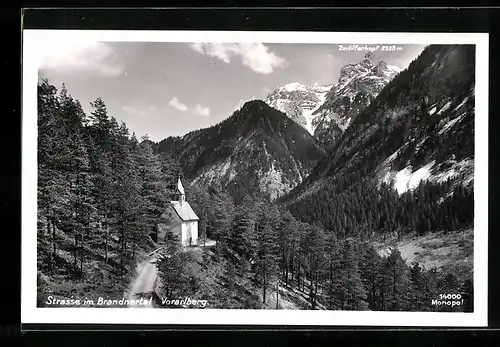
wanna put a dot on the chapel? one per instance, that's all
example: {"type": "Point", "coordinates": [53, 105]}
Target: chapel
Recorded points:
{"type": "Point", "coordinates": [179, 220]}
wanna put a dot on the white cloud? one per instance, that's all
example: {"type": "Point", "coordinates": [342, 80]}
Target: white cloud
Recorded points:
{"type": "Point", "coordinates": [201, 111]}
{"type": "Point", "coordinates": [197, 46]}
{"type": "Point", "coordinates": [79, 55]}
{"type": "Point", "coordinates": [197, 110]}
{"type": "Point", "coordinates": [133, 111]}
{"type": "Point", "coordinates": [254, 55]}
{"type": "Point", "coordinates": [176, 103]}
{"type": "Point", "coordinates": [152, 108]}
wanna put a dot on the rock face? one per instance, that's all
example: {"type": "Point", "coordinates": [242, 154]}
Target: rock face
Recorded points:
{"type": "Point", "coordinates": [256, 151]}
{"type": "Point", "coordinates": [358, 85]}
{"type": "Point", "coordinates": [298, 101]}
{"type": "Point", "coordinates": [326, 111]}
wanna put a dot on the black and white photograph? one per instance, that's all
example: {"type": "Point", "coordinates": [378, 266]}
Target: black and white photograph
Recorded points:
{"type": "Point", "coordinates": [250, 177]}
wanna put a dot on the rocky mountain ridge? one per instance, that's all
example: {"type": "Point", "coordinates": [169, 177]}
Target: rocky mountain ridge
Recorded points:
{"type": "Point", "coordinates": [258, 150]}
{"type": "Point", "coordinates": [358, 85]}
{"type": "Point", "coordinates": [326, 111]}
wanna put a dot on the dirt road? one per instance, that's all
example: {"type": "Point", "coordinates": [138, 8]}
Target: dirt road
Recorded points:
{"type": "Point", "coordinates": [144, 284]}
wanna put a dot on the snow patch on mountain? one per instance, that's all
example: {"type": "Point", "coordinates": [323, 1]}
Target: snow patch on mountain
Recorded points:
{"type": "Point", "coordinates": [445, 107]}
{"type": "Point", "coordinates": [419, 145]}
{"type": "Point", "coordinates": [452, 122]}
{"type": "Point", "coordinates": [290, 87]}
{"type": "Point", "coordinates": [462, 103]}
{"type": "Point", "coordinates": [390, 159]}
{"type": "Point", "coordinates": [393, 69]}
{"type": "Point", "coordinates": [463, 168]}
{"type": "Point", "coordinates": [298, 101]}
{"type": "Point", "coordinates": [407, 179]}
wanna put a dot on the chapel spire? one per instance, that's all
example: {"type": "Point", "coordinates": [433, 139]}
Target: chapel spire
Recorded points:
{"type": "Point", "coordinates": [180, 191]}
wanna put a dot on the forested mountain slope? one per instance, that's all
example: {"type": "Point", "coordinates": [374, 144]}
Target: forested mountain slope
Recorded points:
{"type": "Point", "coordinates": [256, 151]}
{"type": "Point", "coordinates": [406, 162]}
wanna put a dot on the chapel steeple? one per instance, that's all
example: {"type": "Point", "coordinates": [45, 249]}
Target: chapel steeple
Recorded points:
{"type": "Point", "coordinates": [181, 195]}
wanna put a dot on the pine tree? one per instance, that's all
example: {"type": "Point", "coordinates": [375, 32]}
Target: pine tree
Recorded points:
{"type": "Point", "coordinates": [313, 248]}
{"type": "Point", "coordinates": [430, 281]}
{"type": "Point", "coordinates": [171, 171]}
{"type": "Point", "coordinates": [63, 168]}
{"type": "Point", "coordinates": [172, 270]}
{"type": "Point", "coordinates": [223, 211]}
{"type": "Point", "coordinates": [201, 202]}
{"type": "Point", "coordinates": [288, 240]}
{"type": "Point", "coordinates": [126, 188]}
{"type": "Point", "coordinates": [396, 284]}
{"type": "Point", "coordinates": [84, 211]}
{"type": "Point", "coordinates": [240, 239]}
{"type": "Point", "coordinates": [351, 292]}
{"type": "Point", "coordinates": [417, 288]}
{"type": "Point", "coordinates": [449, 283]}
{"type": "Point", "coordinates": [51, 183]}
{"type": "Point", "coordinates": [334, 262]}
{"type": "Point", "coordinates": [371, 268]}
{"type": "Point", "coordinates": [79, 178]}
{"type": "Point", "coordinates": [152, 189]}
{"type": "Point", "coordinates": [99, 142]}
{"type": "Point", "coordinates": [266, 243]}
{"type": "Point", "coordinates": [467, 292]}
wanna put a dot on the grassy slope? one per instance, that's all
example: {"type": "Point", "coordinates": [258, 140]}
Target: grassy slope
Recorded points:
{"type": "Point", "coordinates": [451, 251]}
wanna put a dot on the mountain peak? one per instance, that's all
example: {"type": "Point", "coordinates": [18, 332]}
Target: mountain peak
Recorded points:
{"type": "Point", "coordinates": [258, 150]}
{"type": "Point", "coordinates": [292, 86]}
{"type": "Point", "coordinates": [382, 64]}
{"type": "Point", "coordinates": [253, 103]}
{"type": "Point", "coordinates": [358, 84]}
{"type": "Point", "coordinates": [369, 58]}
{"type": "Point", "coordinates": [325, 111]}
{"type": "Point", "coordinates": [298, 101]}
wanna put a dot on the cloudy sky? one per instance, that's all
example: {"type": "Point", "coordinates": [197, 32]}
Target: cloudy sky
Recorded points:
{"type": "Point", "coordinates": [165, 89]}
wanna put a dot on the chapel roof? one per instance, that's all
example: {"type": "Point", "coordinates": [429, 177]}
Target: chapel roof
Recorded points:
{"type": "Point", "coordinates": [184, 210]}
